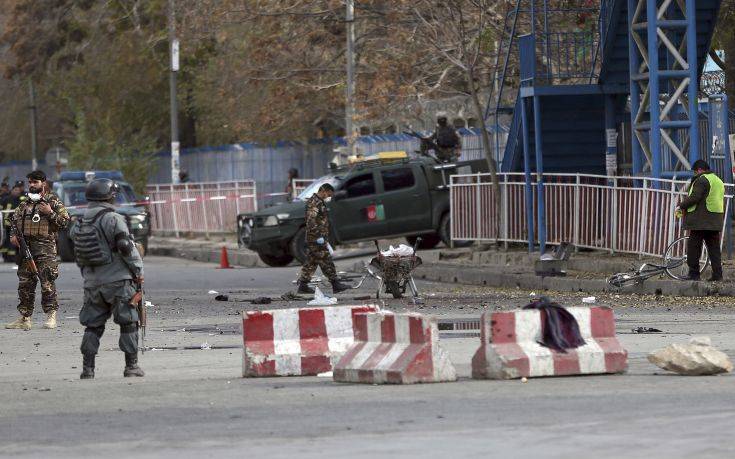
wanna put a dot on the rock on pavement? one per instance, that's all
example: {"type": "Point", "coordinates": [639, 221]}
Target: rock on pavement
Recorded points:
{"type": "Point", "coordinates": [694, 359]}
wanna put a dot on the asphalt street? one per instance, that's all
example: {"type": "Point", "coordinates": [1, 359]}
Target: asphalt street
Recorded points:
{"type": "Point", "coordinates": [194, 403]}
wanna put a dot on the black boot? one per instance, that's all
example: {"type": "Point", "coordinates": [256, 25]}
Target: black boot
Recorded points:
{"type": "Point", "coordinates": [131, 366]}
{"type": "Point", "coordinates": [304, 288]}
{"type": "Point", "coordinates": [87, 366]}
{"type": "Point", "coordinates": [338, 286]}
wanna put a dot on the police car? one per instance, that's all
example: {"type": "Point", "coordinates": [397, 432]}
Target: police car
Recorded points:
{"type": "Point", "coordinates": [70, 188]}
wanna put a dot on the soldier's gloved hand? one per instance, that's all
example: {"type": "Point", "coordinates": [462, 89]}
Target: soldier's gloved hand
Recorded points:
{"type": "Point", "coordinates": [320, 241]}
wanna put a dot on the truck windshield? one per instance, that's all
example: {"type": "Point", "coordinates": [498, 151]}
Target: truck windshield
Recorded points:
{"type": "Point", "coordinates": [316, 184]}
{"type": "Point", "coordinates": [73, 194]}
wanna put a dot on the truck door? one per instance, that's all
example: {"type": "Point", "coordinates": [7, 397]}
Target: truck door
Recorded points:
{"type": "Point", "coordinates": [406, 200]}
{"type": "Point", "coordinates": [354, 213]}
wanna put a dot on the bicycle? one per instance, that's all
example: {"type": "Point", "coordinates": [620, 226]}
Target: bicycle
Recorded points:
{"type": "Point", "coordinates": [674, 266]}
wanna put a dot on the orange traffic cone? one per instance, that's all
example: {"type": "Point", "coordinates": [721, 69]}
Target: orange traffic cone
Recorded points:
{"type": "Point", "coordinates": [224, 262]}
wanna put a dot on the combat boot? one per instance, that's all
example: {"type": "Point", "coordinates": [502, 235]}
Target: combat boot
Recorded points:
{"type": "Point", "coordinates": [87, 366]}
{"type": "Point", "coordinates": [23, 323]}
{"type": "Point", "coordinates": [338, 286]}
{"type": "Point", "coordinates": [50, 320]}
{"type": "Point", "coordinates": [131, 366]}
{"type": "Point", "coordinates": [304, 288]}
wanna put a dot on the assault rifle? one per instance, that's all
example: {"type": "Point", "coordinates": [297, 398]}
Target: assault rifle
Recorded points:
{"type": "Point", "coordinates": [138, 302]}
{"type": "Point", "coordinates": [26, 252]}
{"type": "Point", "coordinates": [426, 144]}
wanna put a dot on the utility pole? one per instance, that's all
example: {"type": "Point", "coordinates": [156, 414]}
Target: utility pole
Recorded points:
{"type": "Point", "coordinates": [174, 49]}
{"type": "Point", "coordinates": [350, 92]}
{"type": "Point", "coordinates": [34, 129]}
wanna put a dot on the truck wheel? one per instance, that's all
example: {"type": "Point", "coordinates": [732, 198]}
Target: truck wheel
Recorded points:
{"type": "Point", "coordinates": [428, 241]}
{"type": "Point", "coordinates": [445, 232]}
{"type": "Point", "coordinates": [65, 247]}
{"type": "Point", "coordinates": [298, 246]}
{"type": "Point", "coordinates": [277, 261]}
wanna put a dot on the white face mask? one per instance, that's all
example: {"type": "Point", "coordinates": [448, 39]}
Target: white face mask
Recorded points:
{"type": "Point", "coordinates": [35, 197]}
{"type": "Point", "coordinates": [327, 200]}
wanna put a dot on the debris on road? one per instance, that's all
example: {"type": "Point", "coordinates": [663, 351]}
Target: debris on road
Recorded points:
{"type": "Point", "coordinates": [362, 298]}
{"type": "Point", "coordinates": [320, 299]}
{"type": "Point", "coordinates": [261, 300]}
{"type": "Point", "coordinates": [697, 358]}
{"type": "Point", "coordinates": [646, 330]}
{"type": "Point", "coordinates": [291, 296]}
{"type": "Point", "coordinates": [326, 374]}
{"type": "Point", "coordinates": [213, 292]}
{"type": "Point", "coordinates": [222, 298]}
{"type": "Point", "coordinates": [205, 346]}
{"type": "Point", "coordinates": [589, 300]}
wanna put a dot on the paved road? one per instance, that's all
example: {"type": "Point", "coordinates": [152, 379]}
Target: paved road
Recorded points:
{"type": "Point", "coordinates": [194, 404]}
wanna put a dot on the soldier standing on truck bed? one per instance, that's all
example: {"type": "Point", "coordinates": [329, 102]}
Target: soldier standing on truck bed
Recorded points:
{"type": "Point", "coordinates": [447, 140]}
{"type": "Point", "coordinates": [317, 237]}
{"type": "Point", "coordinates": [36, 220]}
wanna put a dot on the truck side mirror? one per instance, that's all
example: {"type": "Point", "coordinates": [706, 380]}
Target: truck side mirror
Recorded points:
{"type": "Point", "coordinates": [338, 195]}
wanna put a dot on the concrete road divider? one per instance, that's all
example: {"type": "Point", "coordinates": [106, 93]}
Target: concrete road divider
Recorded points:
{"type": "Point", "coordinates": [297, 341]}
{"type": "Point", "coordinates": [510, 346]}
{"type": "Point", "coordinates": [395, 349]}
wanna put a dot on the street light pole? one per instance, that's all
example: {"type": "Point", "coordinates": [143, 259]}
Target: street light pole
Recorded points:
{"type": "Point", "coordinates": [34, 129]}
{"type": "Point", "coordinates": [174, 49]}
{"type": "Point", "coordinates": [350, 92]}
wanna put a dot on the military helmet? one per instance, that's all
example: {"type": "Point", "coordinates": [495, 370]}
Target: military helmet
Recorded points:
{"type": "Point", "coordinates": [101, 190]}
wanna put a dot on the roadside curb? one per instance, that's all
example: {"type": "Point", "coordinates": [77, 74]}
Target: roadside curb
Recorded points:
{"type": "Point", "coordinates": [501, 276]}
{"type": "Point", "coordinates": [207, 255]}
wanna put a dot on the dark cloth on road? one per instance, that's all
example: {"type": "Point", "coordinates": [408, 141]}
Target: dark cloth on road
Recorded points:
{"type": "Point", "coordinates": [560, 328]}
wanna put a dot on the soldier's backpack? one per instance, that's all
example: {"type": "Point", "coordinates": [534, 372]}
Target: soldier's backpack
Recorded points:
{"type": "Point", "coordinates": [446, 137]}
{"type": "Point", "coordinates": [91, 247]}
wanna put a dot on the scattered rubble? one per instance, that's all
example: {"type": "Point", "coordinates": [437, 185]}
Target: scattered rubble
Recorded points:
{"type": "Point", "coordinates": [697, 358]}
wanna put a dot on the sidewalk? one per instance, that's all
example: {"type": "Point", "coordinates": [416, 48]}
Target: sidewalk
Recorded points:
{"type": "Point", "coordinates": [586, 272]}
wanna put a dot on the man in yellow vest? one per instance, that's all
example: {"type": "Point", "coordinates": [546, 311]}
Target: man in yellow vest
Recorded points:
{"type": "Point", "coordinates": [704, 213]}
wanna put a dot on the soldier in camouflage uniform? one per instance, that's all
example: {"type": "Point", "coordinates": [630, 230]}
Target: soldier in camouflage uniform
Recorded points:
{"type": "Point", "coordinates": [38, 218]}
{"type": "Point", "coordinates": [317, 236]}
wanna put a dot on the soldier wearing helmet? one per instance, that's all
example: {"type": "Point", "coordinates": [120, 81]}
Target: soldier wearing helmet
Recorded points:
{"type": "Point", "coordinates": [111, 267]}
{"type": "Point", "coordinates": [446, 139]}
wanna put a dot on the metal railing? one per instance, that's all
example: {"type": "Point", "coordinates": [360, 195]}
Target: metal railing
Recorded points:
{"type": "Point", "coordinates": [200, 207]}
{"type": "Point", "coordinates": [299, 185]}
{"type": "Point", "coordinates": [617, 214]}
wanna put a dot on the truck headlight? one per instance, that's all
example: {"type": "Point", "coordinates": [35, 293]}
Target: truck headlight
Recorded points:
{"type": "Point", "coordinates": [137, 221]}
{"type": "Point", "coordinates": [271, 220]}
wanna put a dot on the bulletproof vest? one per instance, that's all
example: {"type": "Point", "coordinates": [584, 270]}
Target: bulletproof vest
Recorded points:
{"type": "Point", "coordinates": [33, 223]}
{"type": "Point", "coordinates": [446, 137]}
{"type": "Point", "coordinates": [91, 247]}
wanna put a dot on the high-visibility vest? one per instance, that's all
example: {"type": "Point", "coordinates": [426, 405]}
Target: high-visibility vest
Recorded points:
{"type": "Point", "coordinates": [716, 198]}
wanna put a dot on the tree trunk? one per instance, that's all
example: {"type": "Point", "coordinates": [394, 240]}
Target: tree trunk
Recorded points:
{"type": "Point", "coordinates": [485, 137]}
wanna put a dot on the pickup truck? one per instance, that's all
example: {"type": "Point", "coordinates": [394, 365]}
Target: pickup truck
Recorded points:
{"type": "Point", "coordinates": [376, 199]}
{"type": "Point", "coordinates": [71, 188]}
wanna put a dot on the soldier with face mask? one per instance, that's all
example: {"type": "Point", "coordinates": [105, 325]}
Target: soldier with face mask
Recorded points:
{"type": "Point", "coordinates": [111, 267]}
{"type": "Point", "coordinates": [38, 217]}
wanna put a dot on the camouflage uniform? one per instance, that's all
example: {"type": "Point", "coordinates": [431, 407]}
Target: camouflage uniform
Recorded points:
{"type": "Point", "coordinates": [317, 226]}
{"type": "Point", "coordinates": [41, 239]}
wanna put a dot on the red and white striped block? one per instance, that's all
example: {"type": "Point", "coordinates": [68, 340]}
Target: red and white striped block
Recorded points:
{"type": "Point", "coordinates": [395, 349]}
{"type": "Point", "coordinates": [296, 342]}
{"type": "Point", "coordinates": [510, 346]}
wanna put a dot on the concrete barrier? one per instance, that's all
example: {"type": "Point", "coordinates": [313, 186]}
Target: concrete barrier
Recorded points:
{"type": "Point", "coordinates": [510, 346]}
{"type": "Point", "coordinates": [395, 349]}
{"type": "Point", "coordinates": [297, 341]}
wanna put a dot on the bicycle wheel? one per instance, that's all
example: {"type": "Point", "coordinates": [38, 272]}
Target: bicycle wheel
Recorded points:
{"type": "Point", "coordinates": [675, 259]}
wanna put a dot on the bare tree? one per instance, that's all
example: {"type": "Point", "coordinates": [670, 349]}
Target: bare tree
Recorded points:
{"type": "Point", "coordinates": [457, 39]}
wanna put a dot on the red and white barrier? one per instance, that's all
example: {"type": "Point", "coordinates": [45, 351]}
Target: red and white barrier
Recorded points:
{"type": "Point", "coordinates": [297, 341]}
{"type": "Point", "coordinates": [395, 349]}
{"type": "Point", "coordinates": [510, 346]}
